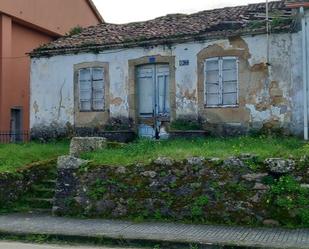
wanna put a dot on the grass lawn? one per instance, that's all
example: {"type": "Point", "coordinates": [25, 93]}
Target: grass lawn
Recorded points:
{"type": "Point", "coordinates": [146, 150]}
{"type": "Point", "coordinates": [15, 156]}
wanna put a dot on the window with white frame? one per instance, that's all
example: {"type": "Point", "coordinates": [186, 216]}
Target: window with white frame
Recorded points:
{"type": "Point", "coordinates": [221, 81]}
{"type": "Point", "coordinates": [91, 89]}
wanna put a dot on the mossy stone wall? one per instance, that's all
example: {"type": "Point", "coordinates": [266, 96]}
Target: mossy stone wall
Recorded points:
{"type": "Point", "coordinates": [242, 191]}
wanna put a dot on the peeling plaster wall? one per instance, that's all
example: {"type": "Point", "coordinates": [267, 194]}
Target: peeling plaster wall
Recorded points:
{"type": "Point", "coordinates": [296, 88]}
{"type": "Point", "coordinates": [278, 101]}
{"type": "Point", "coordinates": [271, 97]}
{"type": "Point", "coordinates": [48, 75]}
{"type": "Point", "coordinates": [272, 103]}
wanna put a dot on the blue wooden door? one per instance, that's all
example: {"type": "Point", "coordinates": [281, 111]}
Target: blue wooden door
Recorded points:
{"type": "Point", "coordinates": [153, 98]}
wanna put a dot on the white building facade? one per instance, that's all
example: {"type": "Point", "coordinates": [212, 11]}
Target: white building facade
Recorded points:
{"type": "Point", "coordinates": [245, 82]}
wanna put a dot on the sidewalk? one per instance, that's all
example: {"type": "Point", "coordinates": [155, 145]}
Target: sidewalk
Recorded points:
{"type": "Point", "coordinates": [16, 245]}
{"type": "Point", "coordinates": [155, 232]}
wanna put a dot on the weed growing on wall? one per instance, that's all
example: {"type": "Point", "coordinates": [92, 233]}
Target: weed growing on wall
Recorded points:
{"type": "Point", "coordinates": [289, 201]}
{"type": "Point", "coordinates": [197, 209]}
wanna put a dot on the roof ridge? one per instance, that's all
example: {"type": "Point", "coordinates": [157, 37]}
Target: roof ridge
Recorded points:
{"type": "Point", "coordinates": [198, 12]}
{"type": "Point", "coordinates": [233, 19]}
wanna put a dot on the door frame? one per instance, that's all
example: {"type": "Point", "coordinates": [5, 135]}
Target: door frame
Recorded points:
{"type": "Point", "coordinates": [17, 133]}
{"type": "Point", "coordinates": [132, 98]}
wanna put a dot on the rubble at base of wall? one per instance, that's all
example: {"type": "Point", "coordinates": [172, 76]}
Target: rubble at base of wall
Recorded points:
{"type": "Point", "coordinates": [226, 130]}
{"type": "Point", "coordinates": [55, 131]}
{"type": "Point", "coordinates": [124, 136]}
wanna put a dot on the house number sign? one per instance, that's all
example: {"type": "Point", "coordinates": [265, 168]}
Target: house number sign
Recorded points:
{"type": "Point", "coordinates": [184, 63]}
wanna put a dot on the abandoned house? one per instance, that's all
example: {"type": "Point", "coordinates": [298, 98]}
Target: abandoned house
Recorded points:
{"type": "Point", "coordinates": [228, 68]}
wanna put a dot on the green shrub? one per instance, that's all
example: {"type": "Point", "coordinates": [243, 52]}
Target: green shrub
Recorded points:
{"type": "Point", "coordinates": [158, 215]}
{"type": "Point", "coordinates": [278, 21]}
{"type": "Point", "coordinates": [198, 206]}
{"type": "Point", "coordinates": [257, 24]}
{"type": "Point", "coordinates": [98, 189]}
{"type": "Point", "coordinates": [289, 202]}
{"type": "Point", "coordinates": [76, 30]}
{"type": "Point", "coordinates": [185, 125]}
{"type": "Point", "coordinates": [119, 124]}
{"type": "Point", "coordinates": [236, 188]}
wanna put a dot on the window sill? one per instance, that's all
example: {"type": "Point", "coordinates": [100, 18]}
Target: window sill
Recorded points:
{"type": "Point", "coordinates": [92, 111]}
{"type": "Point", "coordinates": [221, 106]}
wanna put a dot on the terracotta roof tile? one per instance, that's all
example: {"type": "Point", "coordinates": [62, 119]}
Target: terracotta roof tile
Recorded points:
{"type": "Point", "coordinates": [217, 22]}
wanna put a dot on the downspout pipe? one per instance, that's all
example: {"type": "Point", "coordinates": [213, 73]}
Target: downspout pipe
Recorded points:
{"type": "Point", "coordinates": [267, 31]}
{"type": "Point", "coordinates": [305, 74]}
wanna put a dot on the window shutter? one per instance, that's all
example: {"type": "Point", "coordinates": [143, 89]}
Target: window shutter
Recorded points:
{"type": "Point", "coordinates": [212, 82]}
{"type": "Point", "coordinates": [98, 89]}
{"type": "Point", "coordinates": [221, 81]}
{"type": "Point", "coordinates": [85, 89]}
{"type": "Point", "coordinates": [229, 80]}
{"type": "Point", "coordinates": [163, 89]}
{"type": "Point", "coordinates": [145, 90]}
{"type": "Point", "coordinates": [91, 89]}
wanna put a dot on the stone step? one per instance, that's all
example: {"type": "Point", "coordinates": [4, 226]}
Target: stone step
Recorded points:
{"type": "Point", "coordinates": [42, 188]}
{"type": "Point", "coordinates": [49, 183]}
{"type": "Point", "coordinates": [50, 200]}
{"type": "Point", "coordinates": [40, 211]}
{"type": "Point", "coordinates": [42, 193]}
{"type": "Point", "coordinates": [40, 203]}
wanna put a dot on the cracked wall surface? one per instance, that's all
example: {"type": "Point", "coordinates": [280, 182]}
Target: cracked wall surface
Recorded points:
{"type": "Point", "coordinates": [269, 96]}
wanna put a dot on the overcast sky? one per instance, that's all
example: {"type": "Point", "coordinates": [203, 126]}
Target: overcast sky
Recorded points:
{"type": "Point", "coordinates": [123, 11]}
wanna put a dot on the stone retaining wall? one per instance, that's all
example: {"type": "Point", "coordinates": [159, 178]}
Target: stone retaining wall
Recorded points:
{"type": "Point", "coordinates": [239, 190]}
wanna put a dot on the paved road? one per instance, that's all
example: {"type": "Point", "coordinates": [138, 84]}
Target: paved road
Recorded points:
{"type": "Point", "coordinates": [15, 245]}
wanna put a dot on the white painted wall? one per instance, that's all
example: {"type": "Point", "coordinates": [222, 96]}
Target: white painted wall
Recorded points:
{"type": "Point", "coordinates": [52, 78]}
